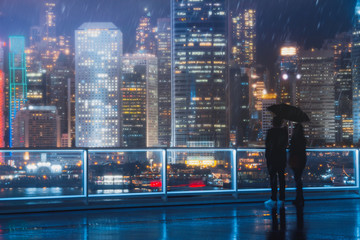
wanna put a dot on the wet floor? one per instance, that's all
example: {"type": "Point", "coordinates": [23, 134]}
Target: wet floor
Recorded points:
{"type": "Point", "coordinates": [332, 219]}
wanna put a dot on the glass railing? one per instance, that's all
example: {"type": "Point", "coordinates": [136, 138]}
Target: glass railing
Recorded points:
{"type": "Point", "coordinates": [103, 173]}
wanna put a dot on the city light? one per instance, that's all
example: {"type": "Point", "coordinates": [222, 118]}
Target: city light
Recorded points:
{"type": "Point", "coordinates": [288, 51]}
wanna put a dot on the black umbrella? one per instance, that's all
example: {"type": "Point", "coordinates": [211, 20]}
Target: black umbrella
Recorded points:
{"type": "Point", "coordinates": [288, 112]}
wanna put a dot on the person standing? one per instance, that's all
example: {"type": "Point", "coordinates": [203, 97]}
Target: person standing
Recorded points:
{"type": "Point", "coordinates": [297, 161]}
{"type": "Point", "coordinates": [275, 154]}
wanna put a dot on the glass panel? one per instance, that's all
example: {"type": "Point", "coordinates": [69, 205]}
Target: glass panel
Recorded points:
{"type": "Point", "coordinates": [199, 170]}
{"type": "Point", "coordinates": [324, 168]}
{"type": "Point", "coordinates": [125, 171]}
{"type": "Point", "coordinates": [26, 174]}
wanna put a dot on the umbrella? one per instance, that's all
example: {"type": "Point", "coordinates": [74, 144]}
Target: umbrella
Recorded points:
{"type": "Point", "coordinates": [289, 112]}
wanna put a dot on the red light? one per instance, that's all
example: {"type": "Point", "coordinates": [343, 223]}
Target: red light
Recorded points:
{"type": "Point", "coordinates": [155, 183]}
{"type": "Point", "coordinates": [197, 184]}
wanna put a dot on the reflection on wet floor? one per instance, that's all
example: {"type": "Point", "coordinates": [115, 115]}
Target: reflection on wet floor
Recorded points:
{"type": "Point", "coordinates": [332, 219]}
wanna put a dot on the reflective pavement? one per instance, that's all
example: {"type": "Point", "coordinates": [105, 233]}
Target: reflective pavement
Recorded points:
{"type": "Point", "coordinates": [330, 219]}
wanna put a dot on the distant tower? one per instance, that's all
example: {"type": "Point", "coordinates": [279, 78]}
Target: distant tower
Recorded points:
{"type": "Point", "coordinates": [288, 73]}
{"type": "Point", "coordinates": [17, 79]}
{"type": "Point", "coordinates": [243, 37]}
{"type": "Point", "coordinates": [140, 100]}
{"type": "Point", "coordinates": [355, 58]}
{"type": "Point", "coordinates": [98, 51]}
{"type": "Point", "coordinates": [199, 68]}
{"type": "Point", "coordinates": [48, 49]}
{"type": "Point", "coordinates": [2, 110]}
{"type": "Point", "coordinates": [164, 83]}
{"type": "Point", "coordinates": [145, 36]}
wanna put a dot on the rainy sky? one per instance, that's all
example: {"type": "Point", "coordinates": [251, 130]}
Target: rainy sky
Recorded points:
{"type": "Point", "coordinates": [307, 22]}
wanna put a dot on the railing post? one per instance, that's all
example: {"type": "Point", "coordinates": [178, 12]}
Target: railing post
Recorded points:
{"type": "Point", "coordinates": [86, 176]}
{"type": "Point", "coordinates": [357, 169]}
{"type": "Point", "coordinates": [234, 154]}
{"type": "Point", "coordinates": [164, 173]}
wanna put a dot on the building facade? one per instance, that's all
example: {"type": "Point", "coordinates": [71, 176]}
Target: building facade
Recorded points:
{"type": "Point", "coordinates": [140, 100]}
{"type": "Point", "coordinates": [164, 75]}
{"type": "Point", "coordinates": [317, 95]}
{"type": "Point", "coordinates": [355, 59]}
{"type": "Point", "coordinates": [98, 51]}
{"type": "Point", "coordinates": [199, 72]}
{"type": "Point", "coordinates": [37, 126]}
{"type": "Point", "coordinates": [17, 79]}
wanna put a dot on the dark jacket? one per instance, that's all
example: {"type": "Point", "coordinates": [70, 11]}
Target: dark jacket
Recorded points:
{"type": "Point", "coordinates": [275, 153]}
{"type": "Point", "coordinates": [297, 148]}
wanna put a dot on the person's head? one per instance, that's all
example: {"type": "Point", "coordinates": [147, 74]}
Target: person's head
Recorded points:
{"type": "Point", "coordinates": [277, 122]}
{"type": "Point", "coordinates": [299, 128]}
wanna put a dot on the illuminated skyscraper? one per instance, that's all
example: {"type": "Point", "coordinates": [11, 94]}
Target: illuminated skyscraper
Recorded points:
{"type": "Point", "coordinates": [98, 51]}
{"type": "Point", "coordinates": [288, 73]}
{"type": "Point", "coordinates": [2, 110]}
{"type": "Point", "coordinates": [199, 68]}
{"type": "Point", "coordinates": [17, 79]}
{"type": "Point", "coordinates": [37, 126]}
{"type": "Point", "coordinates": [145, 36]}
{"type": "Point", "coordinates": [140, 100]}
{"type": "Point", "coordinates": [164, 83]}
{"type": "Point", "coordinates": [243, 37]}
{"type": "Point", "coordinates": [355, 58]}
{"type": "Point", "coordinates": [341, 46]}
{"type": "Point", "coordinates": [317, 95]}
{"type": "Point", "coordinates": [267, 117]}
{"type": "Point", "coordinates": [48, 43]}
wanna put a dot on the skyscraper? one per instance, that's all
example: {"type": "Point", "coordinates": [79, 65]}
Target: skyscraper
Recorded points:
{"type": "Point", "coordinates": [140, 100]}
{"type": "Point", "coordinates": [2, 109]}
{"type": "Point", "coordinates": [98, 51]}
{"type": "Point", "coordinates": [355, 58]}
{"type": "Point", "coordinates": [288, 73]}
{"type": "Point", "coordinates": [164, 76]}
{"type": "Point", "coordinates": [199, 68]}
{"type": "Point", "coordinates": [243, 38]}
{"type": "Point", "coordinates": [317, 95]}
{"type": "Point", "coordinates": [17, 79]}
{"type": "Point", "coordinates": [341, 46]}
{"type": "Point", "coordinates": [48, 43]}
{"type": "Point", "coordinates": [145, 36]}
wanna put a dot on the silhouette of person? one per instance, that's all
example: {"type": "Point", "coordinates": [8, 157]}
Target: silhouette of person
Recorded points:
{"type": "Point", "coordinates": [275, 154]}
{"type": "Point", "coordinates": [297, 161]}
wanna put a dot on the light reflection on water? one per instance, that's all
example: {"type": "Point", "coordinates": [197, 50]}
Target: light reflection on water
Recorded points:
{"type": "Point", "coordinates": [38, 192]}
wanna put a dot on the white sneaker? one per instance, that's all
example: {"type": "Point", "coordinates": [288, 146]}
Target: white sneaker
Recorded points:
{"type": "Point", "coordinates": [281, 204]}
{"type": "Point", "coordinates": [270, 204]}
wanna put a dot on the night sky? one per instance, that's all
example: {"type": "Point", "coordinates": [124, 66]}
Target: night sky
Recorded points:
{"type": "Point", "coordinates": [307, 22]}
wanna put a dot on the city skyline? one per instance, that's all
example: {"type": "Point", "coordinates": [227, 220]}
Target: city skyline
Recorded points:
{"type": "Point", "coordinates": [285, 21]}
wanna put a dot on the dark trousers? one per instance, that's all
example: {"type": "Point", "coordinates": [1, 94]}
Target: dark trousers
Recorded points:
{"type": "Point", "coordinates": [274, 174]}
{"type": "Point", "coordinates": [299, 185]}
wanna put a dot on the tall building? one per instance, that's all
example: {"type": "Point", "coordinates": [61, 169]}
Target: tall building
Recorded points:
{"type": "Point", "coordinates": [98, 51]}
{"type": "Point", "coordinates": [341, 46]}
{"type": "Point", "coordinates": [355, 59]}
{"type": "Point", "coordinates": [239, 106]}
{"type": "Point", "coordinates": [243, 38]}
{"type": "Point", "coordinates": [60, 87]}
{"type": "Point", "coordinates": [140, 100]}
{"type": "Point", "coordinates": [2, 110]}
{"type": "Point", "coordinates": [317, 95]}
{"type": "Point", "coordinates": [37, 126]}
{"type": "Point", "coordinates": [288, 73]}
{"type": "Point", "coordinates": [199, 72]}
{"type": "Point", "coordinates": [164, 75]}
{"type": "Point", "coordinates": [145, 36]}
{"type": "Point", "coordinates": [17, 79]}
{"type": "Point", "coordinates": [48, 45]}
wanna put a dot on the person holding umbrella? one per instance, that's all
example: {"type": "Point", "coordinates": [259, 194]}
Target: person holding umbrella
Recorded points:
{"type": "Point", "coordinates": [275, 154]}
{"type": "Point", "coordinates": [297, 161]}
